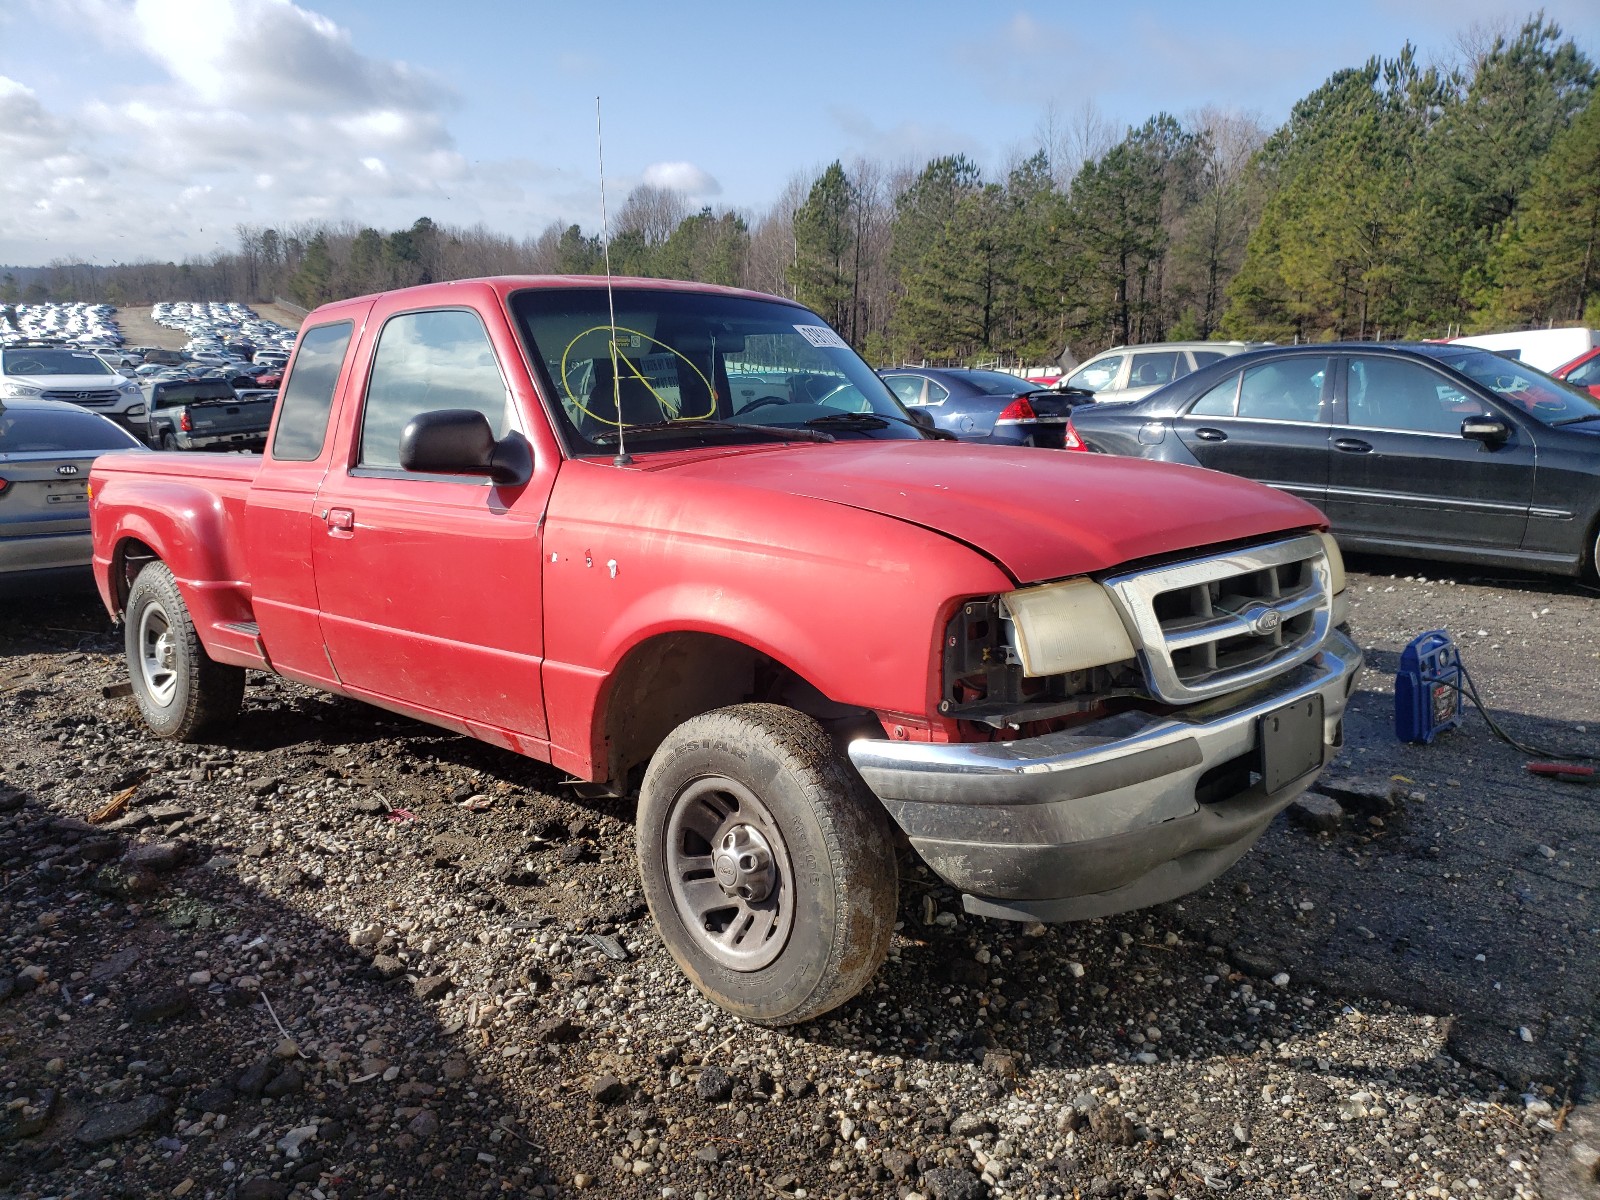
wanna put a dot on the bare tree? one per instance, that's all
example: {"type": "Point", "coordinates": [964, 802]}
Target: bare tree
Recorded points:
{"type": "Point", "coordinates": [1072, 139]}
{"type": "Point", "coordinates": [652, 212]}
{"type": "Point", "coordinates": [772, 245]}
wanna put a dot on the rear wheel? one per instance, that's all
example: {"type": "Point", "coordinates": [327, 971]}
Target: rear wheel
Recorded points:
{"type": "Point", "coordinates": [168, 441]}
{"type": "Point", "coordinates": [767, 864]}
{"type": "Point", "coordinates": [181, 690]}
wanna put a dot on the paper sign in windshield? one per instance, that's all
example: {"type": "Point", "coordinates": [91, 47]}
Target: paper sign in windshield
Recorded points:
{"type": "Point", "coordinates": [821, 335]}
{"type": "Point", "coordinates": [660, 370]}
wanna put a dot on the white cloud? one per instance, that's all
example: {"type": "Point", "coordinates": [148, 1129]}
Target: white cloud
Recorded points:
{"type": "Point", "coordinates": [682, 177]}
{"type": "Point", "coordinates": [256, 111]}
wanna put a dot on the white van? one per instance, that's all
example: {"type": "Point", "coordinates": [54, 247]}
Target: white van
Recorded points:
{"type": "Point", "coordinates": [1545, 349]}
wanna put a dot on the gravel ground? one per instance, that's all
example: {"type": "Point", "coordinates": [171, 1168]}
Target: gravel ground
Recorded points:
{"type": "Point", "coordinates": [341, 954]}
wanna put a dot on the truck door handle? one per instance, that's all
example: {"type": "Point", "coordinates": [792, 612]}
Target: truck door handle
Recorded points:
{"type": "Point", "coordinates": [341, 522]}
{"type": "Point", "coordinates": [1207, 434]}
{"type": "Point", "coordinates": [1352, 445]}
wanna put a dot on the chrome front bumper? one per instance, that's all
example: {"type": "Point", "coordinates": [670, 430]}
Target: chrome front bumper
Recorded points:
{"type": "Point", "coordinates": [1104, 817]}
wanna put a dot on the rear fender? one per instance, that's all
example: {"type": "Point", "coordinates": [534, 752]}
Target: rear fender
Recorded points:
{"type": "Point", "coordinates": [186, 527]}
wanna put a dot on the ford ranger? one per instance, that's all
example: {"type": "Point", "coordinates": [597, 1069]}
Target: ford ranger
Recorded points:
{"type": "Point", "coordinates": [798, 625]}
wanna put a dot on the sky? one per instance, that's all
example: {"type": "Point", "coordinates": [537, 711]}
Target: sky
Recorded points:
{"type": "Point", "coordinates": [134, 129]}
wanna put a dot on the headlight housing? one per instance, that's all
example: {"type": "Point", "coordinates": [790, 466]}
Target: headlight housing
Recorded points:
{"type": "Point", "coordinates": [1341, 599]}
{"type": "Point", "coordinates": [18, 391]}
{"type": "Point", "coordinates": [1063, 627]}
{"type": "Point", "coordinates": [137, 410]}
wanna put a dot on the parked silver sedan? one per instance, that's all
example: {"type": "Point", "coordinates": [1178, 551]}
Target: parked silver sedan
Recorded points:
{"type": "Point", "coordinates": [46, 448]}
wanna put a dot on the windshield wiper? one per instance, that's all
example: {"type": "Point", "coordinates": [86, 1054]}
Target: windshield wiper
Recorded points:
{"type": "Point", "coordinates": [852, 420]}
{"type": "Point", "coordinates": [878, 420]}
{"type": "Point", "coordinates": [652, 427]}
{"type": "Point", "coordinates": [1594, 416]}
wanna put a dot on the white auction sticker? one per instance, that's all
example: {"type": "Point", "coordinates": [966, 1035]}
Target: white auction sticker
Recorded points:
{"type": "Point", "coordinates": [820, 335]}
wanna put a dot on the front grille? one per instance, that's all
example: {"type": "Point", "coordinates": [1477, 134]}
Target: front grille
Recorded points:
{"type": "Point", "coordinates": [90, 396]}
{"type": "Point", "coordinates": [1211, 625]}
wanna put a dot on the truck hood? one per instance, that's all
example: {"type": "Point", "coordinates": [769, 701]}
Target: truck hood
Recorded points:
{"type": "Point", "coordinates": [1040, 514]}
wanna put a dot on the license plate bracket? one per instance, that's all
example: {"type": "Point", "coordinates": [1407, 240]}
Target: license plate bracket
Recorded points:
{"type": "Point", "coordinates": [1290, 739]}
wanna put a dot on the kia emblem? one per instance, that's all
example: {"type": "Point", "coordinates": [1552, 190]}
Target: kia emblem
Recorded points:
{"type": "Point", "coordinates": [66, 469]}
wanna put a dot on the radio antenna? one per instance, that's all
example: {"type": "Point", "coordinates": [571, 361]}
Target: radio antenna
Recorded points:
{"type": "Point", "coordinates": [622, 459]}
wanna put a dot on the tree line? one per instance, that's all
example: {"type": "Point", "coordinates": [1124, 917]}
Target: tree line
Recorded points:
{"type": "Point", "coordinates": [1399, 199]}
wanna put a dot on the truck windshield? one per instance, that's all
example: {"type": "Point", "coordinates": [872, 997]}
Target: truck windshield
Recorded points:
{"type": "Point", "coordinates": [694, 366]}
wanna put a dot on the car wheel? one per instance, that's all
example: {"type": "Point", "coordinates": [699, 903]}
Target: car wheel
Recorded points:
{"type": "Point", "coordinates": [181, 690]}
{"type": "Point", "coordinates": [169, 441]}
{"type": "Point", "coordinates": [767, 864]}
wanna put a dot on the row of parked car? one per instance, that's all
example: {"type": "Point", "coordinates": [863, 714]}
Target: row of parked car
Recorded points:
{"type": "Point", "coordinates": [87, 326]}
{"type": "Point", "coordinates": [220, 333]}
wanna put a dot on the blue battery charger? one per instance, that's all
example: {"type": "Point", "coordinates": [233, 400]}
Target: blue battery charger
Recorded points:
{"type": "Point", "coordinates": [1428, 688]}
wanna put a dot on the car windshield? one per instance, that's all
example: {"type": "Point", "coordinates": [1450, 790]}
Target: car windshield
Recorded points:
{"type": "Point", "coordinates": [692, 367]}
{"type": "Point", "coordinates": [1531, 390]}
{"type": "Point", "coordinates": [53, 362]}
{"type": "Point", "coordinates": [997, 383]}
{"type": "Point", "coordinates": [35, 431]}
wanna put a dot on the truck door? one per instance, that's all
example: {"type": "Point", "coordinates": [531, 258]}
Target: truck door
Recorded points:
{"type": "Point", "coordinates": [279, 522]}
{"type": "Point", "coordinates": [429, 586]}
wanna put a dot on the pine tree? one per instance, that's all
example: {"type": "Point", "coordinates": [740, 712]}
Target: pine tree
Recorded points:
{"type": "Point", "coordinates": [824, 235]}
{"type": "Point", "coordinates": [1548, 269]}
{"type": "Point", "coordinates": [312, 282]}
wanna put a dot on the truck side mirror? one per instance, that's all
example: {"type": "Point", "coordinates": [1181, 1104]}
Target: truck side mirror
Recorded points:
{"type": "Point", "coordinates": [1491, 431]}
{"type": "Point", "coordinates": [458, 441]}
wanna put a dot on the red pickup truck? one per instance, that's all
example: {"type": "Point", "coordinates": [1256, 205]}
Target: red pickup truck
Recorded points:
{"type": "Point", "coordinates": [787, 614]}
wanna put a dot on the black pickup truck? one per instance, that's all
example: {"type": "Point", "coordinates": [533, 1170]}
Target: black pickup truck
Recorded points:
{"type": "Point", "coordinates": [207, 414]}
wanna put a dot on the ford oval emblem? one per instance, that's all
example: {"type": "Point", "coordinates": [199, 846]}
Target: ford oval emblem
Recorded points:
{"type": "Point", "coordinates": [66, 469]}
{"type": "Point", "coordinates": [1267, 621]}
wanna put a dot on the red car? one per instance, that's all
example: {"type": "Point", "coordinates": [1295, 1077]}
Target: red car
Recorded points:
{"type": "Point", "coordinates": [533, 510]}
{"type": "Point", "coordinates": [1583, 371]}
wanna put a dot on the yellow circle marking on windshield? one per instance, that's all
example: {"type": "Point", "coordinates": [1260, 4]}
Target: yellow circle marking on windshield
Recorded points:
{"type": "Point", "coordinates": [666, 405]}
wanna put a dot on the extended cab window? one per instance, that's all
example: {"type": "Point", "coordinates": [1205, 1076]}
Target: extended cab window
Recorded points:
{"type": "Point", "coordinates": [308, 394]}
{"type": "Point", "coordinates": [427, 361]}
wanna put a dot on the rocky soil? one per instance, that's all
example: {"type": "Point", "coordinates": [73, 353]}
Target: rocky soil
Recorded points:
{"type": "Point", "coordinates": [340, 954]}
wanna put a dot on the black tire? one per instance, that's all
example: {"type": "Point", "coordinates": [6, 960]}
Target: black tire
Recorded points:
{"type": "Point", "coordinates": [168, 440]}
{"type": "Point", "coordinates": [181, 691]}
{"type": "Point", "coordinates": [830, 846]}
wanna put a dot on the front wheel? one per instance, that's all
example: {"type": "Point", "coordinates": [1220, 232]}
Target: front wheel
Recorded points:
{"type": "Point", "coordinates": [768, 866]}
{"type": "Point", "coordinates": [180, 689]}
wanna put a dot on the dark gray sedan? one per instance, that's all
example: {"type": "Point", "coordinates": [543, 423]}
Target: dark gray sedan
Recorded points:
{"type": "Point", "coordinates": [46, 449]}
{"type": "Point", "coordinates": [1421, 449]}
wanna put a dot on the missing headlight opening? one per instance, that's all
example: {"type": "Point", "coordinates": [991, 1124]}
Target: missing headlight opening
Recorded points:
{"type": "Point", "coordinates": [985, 681]}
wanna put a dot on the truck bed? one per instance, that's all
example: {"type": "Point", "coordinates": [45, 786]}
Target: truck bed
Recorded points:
{"type": "Point", "coordinates": [193, 506]}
